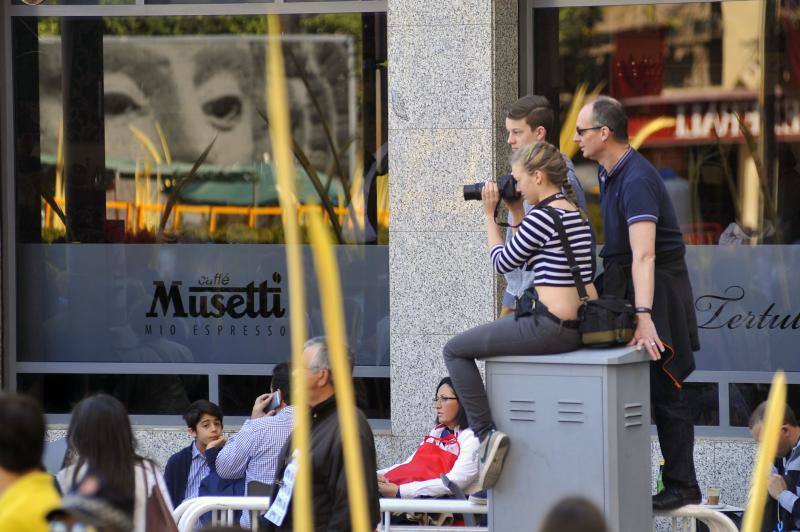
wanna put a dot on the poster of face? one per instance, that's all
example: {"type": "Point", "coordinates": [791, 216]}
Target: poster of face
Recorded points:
{"type": "Point", "coordinates": [167, 98]}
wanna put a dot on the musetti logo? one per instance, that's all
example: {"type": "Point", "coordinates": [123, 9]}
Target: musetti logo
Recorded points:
{"type": "Point", "coordinates": [213, 297]}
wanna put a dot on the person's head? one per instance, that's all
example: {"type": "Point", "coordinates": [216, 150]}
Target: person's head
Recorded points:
{"type": "Point", "coordinates": [100, 435]}
{"type": "Point", "coordinates": [528, 120]}
{"type": "Point", "coordinates": [574, 514]}
{"type": "Point", "coordinates": [204, 422]}
{"type": "Point", "coordinates": [601, 125]}
{"type": "Point", "coordinates": [282, 380]}
{"type": "Point", "coordinates": [92, 503]}
{"type": "Point", "coordinates": [448, 408]}
{"type": "Point", "coordinates": [540, 171]}
{"type": "Point", "coordinates": [790, 432]}
{"type": "Point", "coordinates": [318, 369]}
{"type": "Point", "coordinates": [22, 437]}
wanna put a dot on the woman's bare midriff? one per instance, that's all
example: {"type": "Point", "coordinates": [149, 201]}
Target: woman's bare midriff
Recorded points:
{"type": "Point", "coordinates": [563, 301]}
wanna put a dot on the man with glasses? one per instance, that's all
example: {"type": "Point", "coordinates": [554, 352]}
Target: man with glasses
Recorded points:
{"type": "Point", "coordinates": [329, 484]}
{"type": "Point", "coordinates": [643, 260]}
{"type": "Point", "coordinates": [528, 120]}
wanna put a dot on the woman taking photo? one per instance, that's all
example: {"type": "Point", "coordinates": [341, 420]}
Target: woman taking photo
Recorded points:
{"type": "Point", "coordinates": [103, 447]}
{"type": "Point", "coordinates": [547, 324]}
{"type": "Point", "coordinates": [450, 448]}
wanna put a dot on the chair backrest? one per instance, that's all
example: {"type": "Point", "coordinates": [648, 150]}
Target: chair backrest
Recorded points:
{"type": "Point", "coordinates": [458, 493]}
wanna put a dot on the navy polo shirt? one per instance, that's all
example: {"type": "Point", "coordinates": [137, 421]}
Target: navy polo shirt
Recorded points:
{"type": "Point", "coordinates": [631, 192]}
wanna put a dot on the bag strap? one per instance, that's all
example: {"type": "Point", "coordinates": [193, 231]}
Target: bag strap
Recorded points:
{"type": "Point", "coordinates": [541, 204]}
{"type": "Point", "coordinates": [573, 265]}
{"type": "Point", "coordinates": [446, 441]}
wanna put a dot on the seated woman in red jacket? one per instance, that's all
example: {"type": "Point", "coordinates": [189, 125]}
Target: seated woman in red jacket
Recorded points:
{"type": "Point", "coordinates": [450, 448]}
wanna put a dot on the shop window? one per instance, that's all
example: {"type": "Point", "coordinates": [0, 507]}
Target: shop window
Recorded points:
{"type": "Point", "coordinates": [121, 246]}
{"type": "Point", "coordinates": [703, 397]}
{"type": "Point", "coordinates": [141, 394]}
{"type": "Point", "coordinates": [745, 397]}
{"type": "Point", "coordinates": [712, 94]}
{"type": "Point", "coordinates": [237, 393]}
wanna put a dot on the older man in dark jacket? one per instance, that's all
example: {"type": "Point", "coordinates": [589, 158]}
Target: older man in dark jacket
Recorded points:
{"type": "Point", "coordinates": [329, 482]}
{"type": "Point", "coordinates": [644, 262]}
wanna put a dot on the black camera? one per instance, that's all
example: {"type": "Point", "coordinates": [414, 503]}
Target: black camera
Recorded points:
{"type": "Point", "coordinates": [505, 183]}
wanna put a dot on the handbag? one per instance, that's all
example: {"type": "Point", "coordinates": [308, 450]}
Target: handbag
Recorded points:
{"type": "Point", "coordinates": [434, 457]}
{"type": "Point", "coordinates": [603, 322]}
{"type": "Point", "coordinates": [158, 518]}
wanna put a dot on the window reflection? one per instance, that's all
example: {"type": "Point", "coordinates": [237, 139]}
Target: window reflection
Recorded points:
{"type": "Point", "coordinates": [691, 77]}
{"type": "Point", "coordinates": [59, 393]}
{"type": "Point", "coordinates": [170, 88]}
{"type": "Point", "coordinates": [745, 397]}
{"type": "Point", "coordinates": [110, 116]}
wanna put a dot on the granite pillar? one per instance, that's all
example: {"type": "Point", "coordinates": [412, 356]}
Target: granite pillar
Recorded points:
{"type": "Point", "coordinates": [452, 68]}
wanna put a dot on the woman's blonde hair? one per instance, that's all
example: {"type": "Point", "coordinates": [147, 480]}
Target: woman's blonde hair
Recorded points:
{"type": "Point", "coordinates": [543, 156]}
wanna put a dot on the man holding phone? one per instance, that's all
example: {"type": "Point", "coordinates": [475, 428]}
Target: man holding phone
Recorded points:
{"type": "Point", "coordinates": [254, 451]}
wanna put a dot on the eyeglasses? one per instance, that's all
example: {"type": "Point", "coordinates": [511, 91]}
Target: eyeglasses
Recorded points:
{"type": "Point", "coordinates": [582, 130]}
{"type": "Point", "coordinates": [444, 399]}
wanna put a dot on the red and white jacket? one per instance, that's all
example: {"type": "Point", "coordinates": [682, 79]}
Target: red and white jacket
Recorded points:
{"type": "Point", "coordinates": [461, 451]}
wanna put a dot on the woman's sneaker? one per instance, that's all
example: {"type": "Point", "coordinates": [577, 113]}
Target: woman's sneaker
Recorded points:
{"type": "Point", "coordinates": [491, 455]}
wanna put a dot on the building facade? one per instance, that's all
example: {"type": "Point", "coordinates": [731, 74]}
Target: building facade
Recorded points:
{"type": "Point", "coordinates": [395, 106]}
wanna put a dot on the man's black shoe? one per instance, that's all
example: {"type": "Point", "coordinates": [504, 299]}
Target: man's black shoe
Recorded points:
{"type": "Point", "coordinates": [673, 497]}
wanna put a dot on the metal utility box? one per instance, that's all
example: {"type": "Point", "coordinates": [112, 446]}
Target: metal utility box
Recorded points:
{"type": "Point", "coordinates": [579, 424]}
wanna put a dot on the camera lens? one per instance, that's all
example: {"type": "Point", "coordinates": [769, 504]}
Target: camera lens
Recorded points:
{"type": "Point", "coordinates": [473, 192]}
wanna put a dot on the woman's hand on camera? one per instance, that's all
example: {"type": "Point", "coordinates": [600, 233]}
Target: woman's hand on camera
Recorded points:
{"type": "Point", "coordinates": [517, 210]}
{"type": "Point", "coordinates": [491, 197]}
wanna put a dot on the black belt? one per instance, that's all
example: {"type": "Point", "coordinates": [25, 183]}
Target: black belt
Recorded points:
{"type": "Point", "coordinates": [529, 305]}
{"type": "Point", "coordinates": [541, 310]}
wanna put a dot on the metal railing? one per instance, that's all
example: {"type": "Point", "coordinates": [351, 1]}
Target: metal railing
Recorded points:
{"type": "Point", "coordinates": [188, 513]}
{"type": "Point", "coordinates": [221, 508]}
{"type": "Point", "coordinates": [690, 514]}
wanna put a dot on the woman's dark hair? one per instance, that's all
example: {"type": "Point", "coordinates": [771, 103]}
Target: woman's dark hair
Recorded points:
{"type": "Point", "coordinates": [198, 409]}
{"type": "Point", "coordinates": [101, 437]}
{"type": "Point", "coordinates": [461, 415]}
{"type": "Point", "coordinates": [282, 380]}
{"type": "Point", "coordinates": [574, 514]}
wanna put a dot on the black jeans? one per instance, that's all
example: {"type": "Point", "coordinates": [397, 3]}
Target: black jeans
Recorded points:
{"type": "Point", "coordinates": [531, 335]}
{"type": "Point", "coordinates": [673, 417]}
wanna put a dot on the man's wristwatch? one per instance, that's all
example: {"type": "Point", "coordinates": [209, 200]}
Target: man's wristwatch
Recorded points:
{"type": "Point", "coordinates": [643, 310]}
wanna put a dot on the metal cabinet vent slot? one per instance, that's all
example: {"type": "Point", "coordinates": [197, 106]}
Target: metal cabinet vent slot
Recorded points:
{"type": "Point", "coordinates": [633, 414]}
{"type": "Point", "coordinates": [571, 411]}
{"type": "Point", "coordinates": [522, 410]}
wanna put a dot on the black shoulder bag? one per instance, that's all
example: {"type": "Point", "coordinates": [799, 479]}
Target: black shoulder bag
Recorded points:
{"type": "Point", "coordinates": [607, 321]}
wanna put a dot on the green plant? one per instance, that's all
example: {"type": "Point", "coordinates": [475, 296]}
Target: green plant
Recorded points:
{"type": "Point", "coordinates": [315, 181]}
{"type": "Point", "coordinates": [176, 190]}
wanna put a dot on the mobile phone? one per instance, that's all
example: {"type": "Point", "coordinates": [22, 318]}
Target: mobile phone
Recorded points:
{"type": "Point", "coordinates": [274, 403]}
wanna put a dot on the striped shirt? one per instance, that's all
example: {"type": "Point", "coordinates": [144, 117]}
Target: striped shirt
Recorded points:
{"type": "Point", "coordinates": [255, 450]}
{"type": "Point", "coordinates": [537, 247]}
{"type": "Point", "coordinates": [197, 472]}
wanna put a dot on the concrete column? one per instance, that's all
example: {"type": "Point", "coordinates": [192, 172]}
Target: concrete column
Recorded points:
{"type": "Point", "coordinates": [452, 66]}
